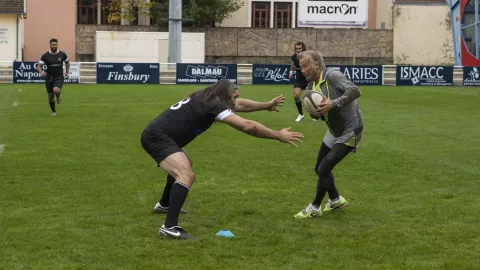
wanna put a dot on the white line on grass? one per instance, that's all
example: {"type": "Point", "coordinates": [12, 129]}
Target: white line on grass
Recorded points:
{"type": "Point", "coordinates": [15, 104]}
{"type": "Point", "coordinates": [2, 148]}
{"type": "Point", "coordinates": [93, 104]}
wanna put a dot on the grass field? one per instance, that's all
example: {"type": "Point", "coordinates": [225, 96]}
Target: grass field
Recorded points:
{"type": "Point", "coordinates": [77, 189]}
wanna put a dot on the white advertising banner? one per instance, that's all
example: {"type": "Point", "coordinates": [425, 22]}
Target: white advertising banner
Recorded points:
{"type": "Point", "coordinates": [337, 13]}
{"type": "Point", "coordinates": [26, 72]}
{"type": "Point", "coordinates": [74, 74]}
{"type": "Point", "coordinates": [3, 35]}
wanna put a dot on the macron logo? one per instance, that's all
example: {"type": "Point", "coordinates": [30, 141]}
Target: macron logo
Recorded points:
{"type": "Point", "coordinates": [343, 9]}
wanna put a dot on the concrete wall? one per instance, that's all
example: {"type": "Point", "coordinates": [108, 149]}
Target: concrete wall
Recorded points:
{"type": "Point", "coordinates": [384, 14]}
{"type": "Point", "coordinates": [146, 47]}
{"type": "Point", "coordinates": [249, 45]}
{"type": "Point", "coordinates": [43, 23]}
{"type": "Point", "coordinates": [422, 35]}
{"type": "Point", "coordinates": [239, 18]}
{"type": "Point", "coordinates": [10, 43]}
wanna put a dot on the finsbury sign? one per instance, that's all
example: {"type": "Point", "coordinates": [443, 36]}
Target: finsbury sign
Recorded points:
{"type": "Point", "coordinates": [128, 73]}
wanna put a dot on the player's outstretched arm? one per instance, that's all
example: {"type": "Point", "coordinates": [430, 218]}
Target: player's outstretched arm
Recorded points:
{"type": "Point", "coordinates": [247, 105]}
{"type": "Point", "coordinates": [258, 130]}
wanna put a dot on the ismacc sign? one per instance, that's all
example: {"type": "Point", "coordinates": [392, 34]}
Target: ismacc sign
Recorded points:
{"type": "Point", "coordinates": [425, 75]}
{"type": "Point", "coordinates": [332, 12]}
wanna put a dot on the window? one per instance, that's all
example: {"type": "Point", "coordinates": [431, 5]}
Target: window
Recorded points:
{"type": "Point", "coordinates": [87, 12]}
{"type": "Point", "coordinates": [296, 14]}
{"type": "Point", "coordinates": [468, 32]}
{"type": "Point", "coordinates": [153, 11]}
{"type": "Point", "coordinates": [283, 15]}
{"type": "Point", "coordinates": [136, 12]}
{"type": "Point", "coordinates": [153, 19]}
{"type": "Point", "coordinates": [105, 12]}
{"type": "Point", "coordinates": [261, 14]}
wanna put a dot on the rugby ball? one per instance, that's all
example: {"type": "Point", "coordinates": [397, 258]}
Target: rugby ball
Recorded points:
{"type": "Point", "coordinates": [310, 100]}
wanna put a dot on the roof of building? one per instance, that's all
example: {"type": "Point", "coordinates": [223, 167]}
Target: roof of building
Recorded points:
{"type": "Point", "coordinates": [11, 6]}
{"type": "Point", "coordinates": [419, 1]}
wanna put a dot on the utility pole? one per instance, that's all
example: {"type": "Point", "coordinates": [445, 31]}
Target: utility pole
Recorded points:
{"type": "Point", "coordinates": [175, 31]}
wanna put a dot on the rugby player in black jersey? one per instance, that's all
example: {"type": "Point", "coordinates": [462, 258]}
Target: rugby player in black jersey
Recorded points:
{"type": "Point", "coordinates": [300, 80]}
{"type": "Point", "coordinates": [54, 76]}
{"type": "Point", "coordinates": [164, 137]}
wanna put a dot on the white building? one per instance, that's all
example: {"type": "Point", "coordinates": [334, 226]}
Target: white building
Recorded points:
{"type": "Point", "coordinates": [11, 29]}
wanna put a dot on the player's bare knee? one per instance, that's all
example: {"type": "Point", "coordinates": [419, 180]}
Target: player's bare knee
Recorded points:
{"type": "Point", "coordinates": [190, 175]}
{"type": "Point", "coordinates": [57, 90]}
{"type": "Point", "coordinates": [186, 176]}
{"type": "Point", "coordinates": [296, 94]}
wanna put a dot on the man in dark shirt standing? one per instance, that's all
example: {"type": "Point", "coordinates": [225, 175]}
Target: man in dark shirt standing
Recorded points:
{"type": "Point", "coordinates": [53, 60]}
{"type": "Point", "coordinates": [300, 80]}
{"type": "Point", "coordinates": [166, 135]}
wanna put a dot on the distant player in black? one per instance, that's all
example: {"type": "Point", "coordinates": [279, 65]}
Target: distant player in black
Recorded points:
{"type": "Point", "coordinates": [54, 76]}
{"type": "Point", "coordinates": [300, 81]}
{"type": "Point", "coordinates": [164, 137]}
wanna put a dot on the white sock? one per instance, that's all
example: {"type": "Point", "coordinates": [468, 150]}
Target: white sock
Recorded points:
{"type": "Point", "coordinates": [336, 201]}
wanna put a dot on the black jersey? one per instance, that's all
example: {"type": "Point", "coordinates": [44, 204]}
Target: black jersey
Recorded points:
{"type": "Point", "coordinates": [300, 77]}
{"type": "Point", "coordinates": [186, 119]}
{"type": "Point", "coordinates": [54, 63]}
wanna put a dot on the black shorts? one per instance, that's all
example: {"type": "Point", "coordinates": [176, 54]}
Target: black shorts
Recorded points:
{"type": "Point", "coordinates": [52, 82]}
{"type": "Point", "coordinates": [300, 84]}
{"type": "Point", "coordinates": [159, 145]}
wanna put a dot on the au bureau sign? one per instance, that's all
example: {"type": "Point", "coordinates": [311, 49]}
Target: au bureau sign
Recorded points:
{"type": "Point", "coordinates": [26, 72]}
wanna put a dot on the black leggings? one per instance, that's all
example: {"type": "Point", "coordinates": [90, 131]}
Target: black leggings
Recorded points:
{"type": "Point", "coordinates": [327, 160]}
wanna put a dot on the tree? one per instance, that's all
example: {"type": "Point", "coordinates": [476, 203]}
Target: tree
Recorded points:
{"type": "Point", "coordinates": [126, 9]}
{"type": "Point", "coordinates": [212, 12]}
{"type": "Point", "coordinates": [197, 12]}
{"type": "Point", "coordinates": [160, 11]}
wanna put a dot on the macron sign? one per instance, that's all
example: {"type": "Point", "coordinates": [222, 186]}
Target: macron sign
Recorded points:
{"type": "Point", "coordinates": [332, 12]}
